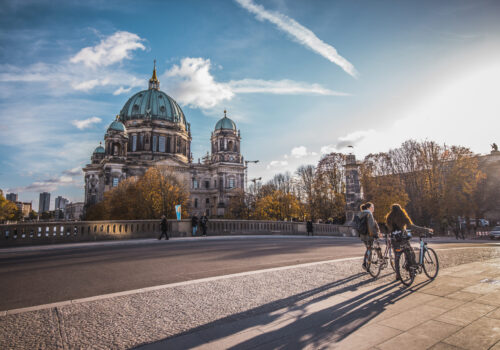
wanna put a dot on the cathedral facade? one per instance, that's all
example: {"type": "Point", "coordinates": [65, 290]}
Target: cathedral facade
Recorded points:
{"type": "Point", "coordinates": [151, 130]}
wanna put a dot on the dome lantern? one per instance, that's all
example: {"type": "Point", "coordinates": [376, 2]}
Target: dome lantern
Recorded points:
{"type": "Point", "coordinates": [154, 83]}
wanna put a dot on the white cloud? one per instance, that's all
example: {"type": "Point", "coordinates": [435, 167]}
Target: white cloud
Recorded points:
{"type": "Point", "coordinates": [86, 123]}
{"type": "Point", "coordinates": [299, 152]}
{"type": "Point", "coordinates": [115, 48]}
{"type": "Point", "coordinates": [277, 164]}
{"type": "Point", "coordinates": [282, 87]}
{"type": "Point", "coordinates": [192, 84]}
{"type": "Point", "coordinates": [300, 34]}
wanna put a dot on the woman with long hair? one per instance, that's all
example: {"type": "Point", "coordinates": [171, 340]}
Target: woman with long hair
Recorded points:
{"type": "Point", "coordinates": [398, 220]}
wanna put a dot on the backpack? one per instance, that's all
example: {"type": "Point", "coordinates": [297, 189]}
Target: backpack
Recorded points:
{"type": "Point", "coordinates": [361, 225]}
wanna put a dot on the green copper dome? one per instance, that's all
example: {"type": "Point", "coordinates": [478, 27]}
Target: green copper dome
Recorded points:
{"type": "Point", "coordinates": [99, 149]}
{"type": "Point", "coordinates": [152, 104]}
{"type": "Point", "coordinates": [117, 125]}
{"type": "Point", "coordinates": [225, 123]}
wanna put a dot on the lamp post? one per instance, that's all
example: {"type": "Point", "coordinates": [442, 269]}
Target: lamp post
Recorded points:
{"type": "Point", "coordinates": [246, 172]}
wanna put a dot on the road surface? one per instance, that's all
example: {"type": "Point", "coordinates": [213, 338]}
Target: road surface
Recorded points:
{"type": "Point", "coordinates": [46, 274]}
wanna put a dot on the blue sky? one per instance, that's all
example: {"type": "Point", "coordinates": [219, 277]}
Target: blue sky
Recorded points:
{"type": "Point", "coordinates": [300, 78]}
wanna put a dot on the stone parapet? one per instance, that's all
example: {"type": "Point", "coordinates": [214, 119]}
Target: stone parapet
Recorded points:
{"type": "Point", "coordinates": [35, 233]}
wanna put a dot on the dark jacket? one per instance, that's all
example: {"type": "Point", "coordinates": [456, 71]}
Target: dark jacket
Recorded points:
{"type": "Point", "coordinates": [309, 226]}
{"type": "Point", "coordinates": [194, 221]}
{"type": "Point", "coordinates": [203, 220]}
{"type": "Point", "coordinates": [163, 224]}
{"type": "Point", "coordinates": [373, 229]}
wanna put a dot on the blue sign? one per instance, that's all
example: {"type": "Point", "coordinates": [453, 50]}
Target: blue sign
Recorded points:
{"type": "Point", "coordinates": [178, 211]}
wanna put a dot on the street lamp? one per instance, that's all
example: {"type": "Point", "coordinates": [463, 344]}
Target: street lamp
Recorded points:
{"type": "Point", "coordinates": [246, 171]}
{"type": "Point", "coordinates": [254, 180]}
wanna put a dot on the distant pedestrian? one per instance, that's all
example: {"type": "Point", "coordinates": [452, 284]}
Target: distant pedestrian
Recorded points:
{"type": "Point", "coordinates": [194, 224]}
{"type": "Point", "coordinates": [203, 222]}
{"type": "Point", "coordinates": [309, 226]}
{"type": "Point", "coordinates": [164, 227]}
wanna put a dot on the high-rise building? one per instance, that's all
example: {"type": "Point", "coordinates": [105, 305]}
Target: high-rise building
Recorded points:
{"type": "Point", "coordinates": [12, 197]}
{"type": "Point", "coordinates": [44, 203]}
{"type": "Point", "coordinates": [61, 203]}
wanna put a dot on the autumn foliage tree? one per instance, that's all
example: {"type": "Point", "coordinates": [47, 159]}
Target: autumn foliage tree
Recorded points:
{"type": "Point", "coordinates": [147, 197]}
{"type": "Point", "coordinates": [8, 209]}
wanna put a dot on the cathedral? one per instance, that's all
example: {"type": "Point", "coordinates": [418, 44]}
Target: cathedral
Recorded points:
{"type": "Point", "coordinates": [151, 130]}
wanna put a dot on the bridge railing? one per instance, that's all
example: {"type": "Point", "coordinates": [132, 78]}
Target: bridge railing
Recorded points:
{"type": "Point", "coordinates": [33, 233]}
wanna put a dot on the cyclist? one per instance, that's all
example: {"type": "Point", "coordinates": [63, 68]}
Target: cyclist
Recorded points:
{"type": "Point", "coordinates": [372, 230]}
{"type": "Point", "coordinates": [398, 221]}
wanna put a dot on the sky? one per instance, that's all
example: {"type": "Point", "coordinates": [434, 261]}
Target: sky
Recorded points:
{"type": "Point", "coordinates": [299, 78]}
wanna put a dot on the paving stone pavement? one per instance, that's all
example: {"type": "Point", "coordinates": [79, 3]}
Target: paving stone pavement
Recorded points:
{"type": "Point", "coordinates": [330, 305]}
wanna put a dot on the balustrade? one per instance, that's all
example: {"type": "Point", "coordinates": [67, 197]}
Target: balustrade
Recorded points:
{"type": "Point", "coordinates": [59, 232]}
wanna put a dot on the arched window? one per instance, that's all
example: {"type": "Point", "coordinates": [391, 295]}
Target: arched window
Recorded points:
{"type": "Point", "coordinates": [196, 202]}
{"type": "Point", "coordinates": [230, 146]}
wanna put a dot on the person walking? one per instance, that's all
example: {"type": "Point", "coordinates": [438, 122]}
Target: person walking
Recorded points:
{"type": "Point", "coordinates": [398, 221]}
{"type": "Point", "coordinates": [309, 226]}
{"type": "Point", "coordinates": [194, 224]}
{"type": "Point", "coordinates": [164, 227]}
{"type": "Point", "coordinates": [203, 222]}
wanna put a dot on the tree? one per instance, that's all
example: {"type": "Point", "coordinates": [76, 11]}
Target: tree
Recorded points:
{"type": "Point", "coordinates": [148, 197]}
{"type": "Point", "coordinates": [329, 188]}
{"type": "Point", "coordinates": [305, 188]}
{"type": "Point", "coordinates": [8, 209]}
{"type": "Point", "coordinates": [238, 207]}
{"type": "Point", "coordinates": [380, 186]}
{"type": "Point", "coordinates": [277, 206]}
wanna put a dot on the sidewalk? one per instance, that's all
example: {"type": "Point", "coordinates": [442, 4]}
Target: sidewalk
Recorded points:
{"type": "Point", "coordinates": [459, 310]}
{"type": "Point", "coordinates": [323, 305]}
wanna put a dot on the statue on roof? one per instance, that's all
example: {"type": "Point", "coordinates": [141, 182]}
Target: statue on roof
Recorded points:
{"type": "Point", "coordinates": [494, 147]}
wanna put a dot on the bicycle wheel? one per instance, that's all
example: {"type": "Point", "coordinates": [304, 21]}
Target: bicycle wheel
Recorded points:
{"type": "Point", "coordinates": [374, 264]}
{"type": "Point", "coordinates": [430, 263]}
{"type": "Point", "coordinates": [406, 272]}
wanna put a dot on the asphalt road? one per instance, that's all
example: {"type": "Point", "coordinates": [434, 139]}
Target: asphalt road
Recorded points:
{"type": "Point", "coordinates": [45, 274]}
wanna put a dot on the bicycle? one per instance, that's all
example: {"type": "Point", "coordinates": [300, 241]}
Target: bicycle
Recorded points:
{"type": "Point", "coordinates": [377, 262]}
{"type": "Point", "coordinates": [407, 266]}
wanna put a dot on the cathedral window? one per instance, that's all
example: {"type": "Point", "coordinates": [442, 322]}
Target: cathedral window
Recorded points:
{"type": "Point", "coordinates": [195, 183]}
{"type": "Point", "coordinates": [231, 182]}
{"type": "Point", "coordinates": [207, 184]}
{"type": "Point", "coordinates": [155, 143]}
{"type": "Point", "coordinates": [141, 142]}
{"type": "Point", "coordinates": [169, 141]}
{"type": "Point", "coordinates": [134, 143]}
{"type": "Point", "coordinates": [162, 143]}
{"type": "Point", "coordinates": [207, 201]}
{"type": "Point", "coordinates": [230, 145]}
{"type": "Point", "coordinates": [215, 183]}
{"type": "Point", "coordinates": [115, 181]}
{"type": "Point", "coordinates": [196, 202]}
